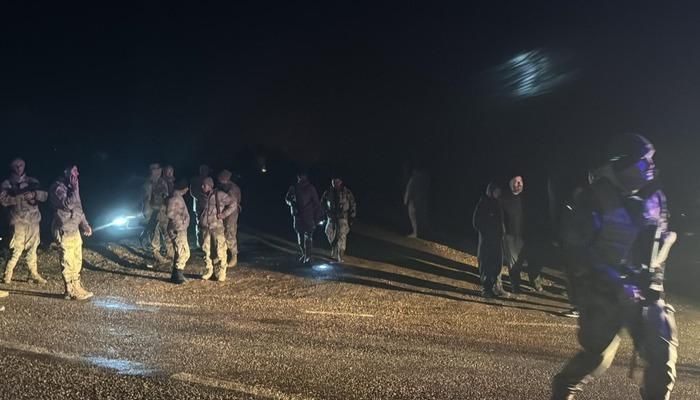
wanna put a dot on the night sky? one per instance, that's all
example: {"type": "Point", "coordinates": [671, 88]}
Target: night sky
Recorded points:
{"type": "Point", "coordinates": [365, 87]}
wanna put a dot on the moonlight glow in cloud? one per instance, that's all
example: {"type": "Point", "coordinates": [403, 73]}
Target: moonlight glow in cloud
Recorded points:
{"type": "Point", "coordinates": [531, 73]}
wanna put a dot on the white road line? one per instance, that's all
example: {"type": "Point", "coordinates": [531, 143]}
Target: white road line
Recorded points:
{"type": "Point", "coordinates": [339, 313]}
{"type": "Point", "coordinates": [27, 348]}
{"type": "Point", "coordinates": [121, 366]}
{"type": "Point", "coordinates": [541, 324]}
{"type": "Point", "coordinates": [156, 304]}
{"type": "Point", "coordinates": [238, 387]}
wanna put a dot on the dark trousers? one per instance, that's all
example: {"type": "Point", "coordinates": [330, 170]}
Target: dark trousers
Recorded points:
{"type": "Point", "coordinates": [602, 317]}
{"type": "Point", "coordinates": [490, 259]}
{"type": "Point", "coordinates": [515, 254]}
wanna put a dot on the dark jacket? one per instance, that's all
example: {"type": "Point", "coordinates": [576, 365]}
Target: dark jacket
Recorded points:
{"type": "Point", "coordinates": [488, 218]}
{"type": "Point", "coordinates": [513, 214]}
{"type": "Point", "coordinates": [302, 198]}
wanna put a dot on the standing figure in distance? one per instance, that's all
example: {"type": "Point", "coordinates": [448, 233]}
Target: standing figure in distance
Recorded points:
{"type": "Point", "coordinates": [178, 222]}
{"type": "Point", "coordinates": [416, 199]}
{"type": "Point", "coordinates": [217, 206]}
{"type": "Point", "coordinates": [488, 222]}
{"type": "Point", "coordinates": [231, 222]}
{"type": "Point", "coordinates": [169, 178]}
{"type": "Point", "coordinates": [21, 194]}
{"type": "Point", "coordinates": [303, 202]}
{"type": "Point", "coordinates": [339, 205]}
{"type": "Point", "coordinates": [155, 191]}
{"type": "Point", "coordinates": [68, 220]}
{"type": "Point", "coordinates": [198, 199]}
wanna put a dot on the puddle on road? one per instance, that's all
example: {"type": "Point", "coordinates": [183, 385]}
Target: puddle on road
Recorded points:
{"type": "Point", "coordinates": [123, 367]}
{"type": "Point", "coordinates": [119, 305]}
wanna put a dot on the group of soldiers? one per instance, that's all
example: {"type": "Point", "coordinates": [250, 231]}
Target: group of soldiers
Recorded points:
{"type": "Point", "coordinates": [614, 230]}
{"type": "Point", "coordinates": [21, 195]}
{"type": "Point", "coordinates": [336, 209]}
{"type": "Point", "coordinates": [216, 208]}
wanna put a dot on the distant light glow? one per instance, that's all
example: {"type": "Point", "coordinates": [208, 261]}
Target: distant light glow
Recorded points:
{"type": "Point", "coordinates": [121, 221]}
{"type": "Point", "coordinates": [531, 73]}
{"type": "Point", "coordinates": [264, 170]}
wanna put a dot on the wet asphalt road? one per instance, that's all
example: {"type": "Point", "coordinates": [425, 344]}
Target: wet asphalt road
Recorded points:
{"type": "Point", "coordinates": [401, 319]}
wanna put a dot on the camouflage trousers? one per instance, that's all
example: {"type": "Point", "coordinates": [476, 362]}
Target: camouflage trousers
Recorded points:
{"type": "Point", "coordinates": [337, 233]}
{"type": "Point", "coordinates": [231, 233]}
{"type": "Point", "coordinates": [214, 237]}
{"type": "Point", "coordinates": [25, 237]}
{"type": "Point", "coordinates": [178, 241]}
{"type": "Point", "coordinates": [157, 231]}
{"type": "Point", "coordinates": [71, 252]}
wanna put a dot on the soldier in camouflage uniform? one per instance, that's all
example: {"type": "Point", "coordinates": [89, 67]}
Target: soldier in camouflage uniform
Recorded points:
{"type": "Point", "coordinates": [68, 220]}
{"type": "Point", "coordinates": [21, 194]}
{"type": "Point", "coordinates": [231, 222]}
{"type": "Point", "coordinates": [339, 205]}
{"type": "Point", "coordinates": [198, 198]}
{"type": "Point", "coordinates": [155, 191]}
{"type": "Point", "coordinates": [217, 206]}
{"type": "Point", "coordinates": [169, 178]}
{"type": "Point", "coordinates": [178, 222]}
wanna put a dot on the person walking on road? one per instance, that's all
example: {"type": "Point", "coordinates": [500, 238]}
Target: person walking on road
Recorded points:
{"type": "Point", "coordinates": [305, 206]}
{"type": "Point", "coordinates": [339, 205]}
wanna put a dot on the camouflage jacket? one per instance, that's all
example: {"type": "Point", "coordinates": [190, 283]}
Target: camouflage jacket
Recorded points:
{"type": "Point", "coordinates": [339, 204]}
{"type": "Point", "coordinates": [196, 192]}
{"type": "Point", "coordinates": [216, 204]}
{"type": "Point", "coordinates": [178, 216]}
{"type": "Point", "coordinates": [234, 192]}
{"type": "Point", "coordinates": [22, 210]}
{"type": "Point", "coordinates": [170, 182]}
{"type": "Point", "coordinates": [154, 195]}
{"type": "Point", "coordinates": [68, 209]}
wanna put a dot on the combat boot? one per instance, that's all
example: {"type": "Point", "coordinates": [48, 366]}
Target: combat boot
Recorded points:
{"type": "Point", "coordinates": [561, 391]}
{"type": "Point", "coordinates": [210, 271]}
{"type": "Point", "coordinates": [75, 292]}
{"type": "Point", "coordinates": [35, 276]}
{"type": "Point", "coordinates": [221, 276]}
{"type": "Point", "coordinates": [233, 261]}
{"type": "Point", "coordinates": [7, 278]}
{"type": "Point", "coordinates": [38, 279]}
{"type": "Point", "coordinates": [177, 276]}
{"type": "Point", "coordinates": [82, 292]}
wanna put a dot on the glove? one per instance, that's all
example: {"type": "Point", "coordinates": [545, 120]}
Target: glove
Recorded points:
{"type": "Point", "coordinates": [632, 293]}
